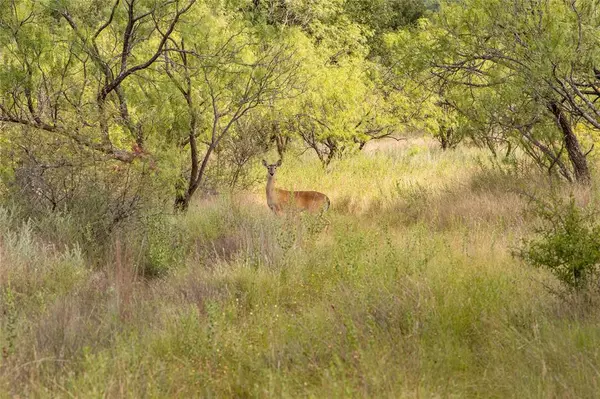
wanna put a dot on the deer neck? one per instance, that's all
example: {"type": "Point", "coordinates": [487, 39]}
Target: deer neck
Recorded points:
{"type": "Point", "coordinates": [270, 189]}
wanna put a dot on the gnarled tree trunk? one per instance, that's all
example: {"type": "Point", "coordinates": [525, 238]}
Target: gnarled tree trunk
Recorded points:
{"type": "Point", "coordinates": [576, 156]}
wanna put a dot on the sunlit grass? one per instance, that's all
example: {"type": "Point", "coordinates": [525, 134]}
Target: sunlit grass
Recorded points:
{"type": "Point", "coordinates": [411, 291]}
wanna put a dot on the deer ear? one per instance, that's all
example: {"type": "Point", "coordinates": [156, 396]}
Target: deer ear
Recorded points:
{"type": "Point", "coordinates": [264, 163]}
{"type": "Point", "coordinates": [279, 163]}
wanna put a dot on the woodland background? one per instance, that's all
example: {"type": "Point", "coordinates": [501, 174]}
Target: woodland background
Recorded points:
{"type": "Point", "coordinates": [454, 138]}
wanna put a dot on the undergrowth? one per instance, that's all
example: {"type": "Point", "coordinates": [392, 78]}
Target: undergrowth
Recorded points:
{"type": "Point", "coordinates": [410, 290]}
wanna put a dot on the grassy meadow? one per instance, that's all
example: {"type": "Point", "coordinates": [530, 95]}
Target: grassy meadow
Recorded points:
{"type": "Point", "coordinates": [410, 290]}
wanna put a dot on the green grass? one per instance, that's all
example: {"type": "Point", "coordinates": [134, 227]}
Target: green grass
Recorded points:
{"type": "Point", "coordinates": [411, 291]}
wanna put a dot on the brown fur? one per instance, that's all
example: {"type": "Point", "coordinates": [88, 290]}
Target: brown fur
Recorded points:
{"type": "Point", "coordinates": [283, 200]}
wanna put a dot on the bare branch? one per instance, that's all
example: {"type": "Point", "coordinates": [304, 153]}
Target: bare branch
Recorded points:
{"type": "Point", "coordinates": [127, 72]}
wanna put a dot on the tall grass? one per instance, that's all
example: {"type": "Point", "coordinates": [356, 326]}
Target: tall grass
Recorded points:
{"type": "Point", "coordinates": [410, 291]}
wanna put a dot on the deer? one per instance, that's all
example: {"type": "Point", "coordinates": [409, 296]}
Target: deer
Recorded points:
{"type": "Point", "coordinates": [281, 200]}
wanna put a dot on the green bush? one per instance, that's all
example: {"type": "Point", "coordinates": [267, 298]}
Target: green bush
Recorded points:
{"type": "Point", "coordinates": [567, 243]}
{"type": "Point", "coordinates": [164, 246]}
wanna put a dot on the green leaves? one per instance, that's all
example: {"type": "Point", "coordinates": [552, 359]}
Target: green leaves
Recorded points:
{"type": "Point", "coordinates": [567, 243]}
{"type": "Point", "coordinates": [498, 67]}
{"type": "Point", "coordinates": [144, 79]}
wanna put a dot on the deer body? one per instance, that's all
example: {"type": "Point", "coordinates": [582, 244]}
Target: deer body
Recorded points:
{"type": "Point", "coordinates": [280, 201]}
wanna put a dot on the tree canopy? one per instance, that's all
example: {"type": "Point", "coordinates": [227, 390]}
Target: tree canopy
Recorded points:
{"type": "Point", "coordinates": [193, 91]}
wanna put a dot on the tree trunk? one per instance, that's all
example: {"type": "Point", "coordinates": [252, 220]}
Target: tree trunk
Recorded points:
{"type": "Point", "coordinates": [443, 139]}
{"type": "Point", "coordinates": [576, 156]}
{"type": "Point", "coordinates": [182, 202]}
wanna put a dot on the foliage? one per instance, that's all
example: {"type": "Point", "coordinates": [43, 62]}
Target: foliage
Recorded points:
{"type": "Point", "coordinates": [425, 106]}
{"type": "Point", "coordinates": [229, 73]}
{"type": "Point", "coordinates": [380, 17]}
{"type": "Point", "coordinates": [567, 243]}
{"type": "Point", "coordinates": [163, 246]}
{"type": "Point", "coordinates": [515, 74]}
{"type": "Point", "coordinates": [175, 83]}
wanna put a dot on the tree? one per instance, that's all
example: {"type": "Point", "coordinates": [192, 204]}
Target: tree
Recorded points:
{"type": "Point", "coordinates": [518, 68]}
{"type": "Point", "coordinates": [67, 66]}
{"type": "Point", "coordinates": [221, 81]}
{"type": "Point", "coordinates": [181, 88]}
{"type": "Point", "coordinates": [380, 17]}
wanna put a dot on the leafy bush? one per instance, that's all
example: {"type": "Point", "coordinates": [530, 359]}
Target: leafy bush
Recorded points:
{"type": "Point", "coordinates": [163, 246]}
{"type": "Point", "coordinates": [567, 243]}
{"type": "Point", "coordinates": [89, 202]}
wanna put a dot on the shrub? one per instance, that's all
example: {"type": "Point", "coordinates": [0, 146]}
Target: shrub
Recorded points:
{"type": "Point", "coordinates": [567, 243]}
{"type": "Point", "coordinates": [90, 203]}
{"type": "Point", "coordinates": [164, 246]}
